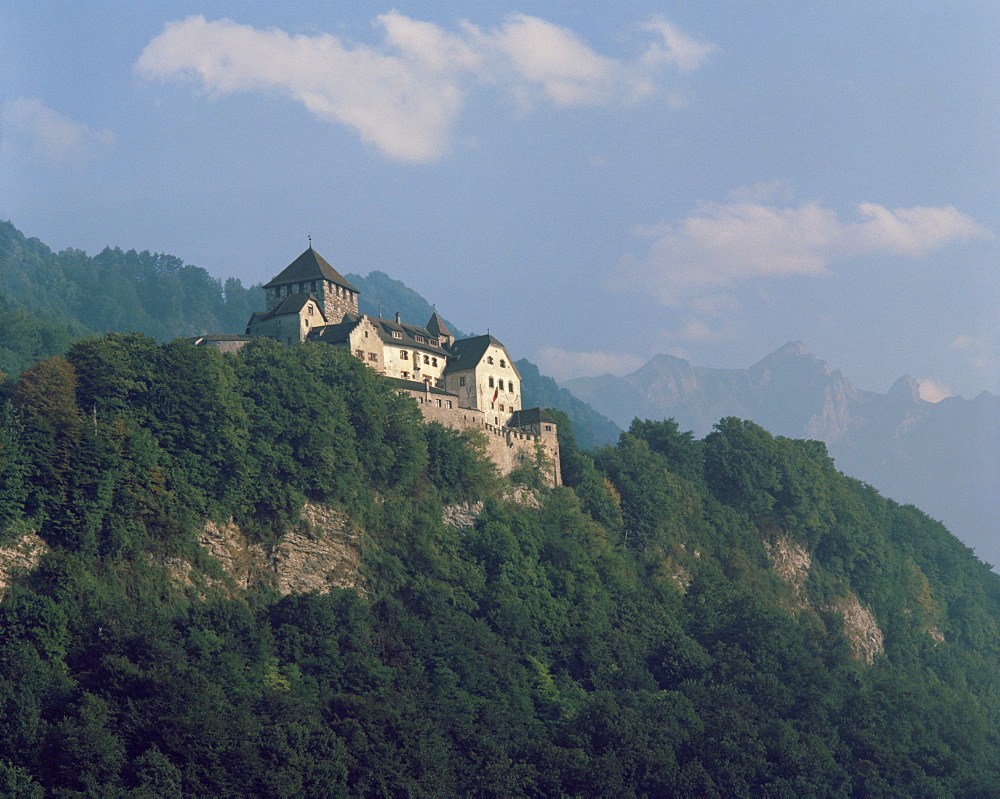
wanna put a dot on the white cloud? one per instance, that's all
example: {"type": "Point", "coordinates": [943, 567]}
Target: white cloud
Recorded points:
{"type": "Point", "coordinates": [28, 126]}
{"type": "Point", "coordinates": [562, 365]}
{"type": "Point", "coordinates": [404, 95]}
{"type": "Point", "coordinates": [725, 244]}
{"type": "Point", "coordinates": [678, 48]}
{"type": "Point", "coordinates": [931, 391]}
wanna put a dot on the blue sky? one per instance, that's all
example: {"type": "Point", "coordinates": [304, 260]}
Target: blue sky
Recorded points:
{"type": "Point", "coordinates": [595, 183]}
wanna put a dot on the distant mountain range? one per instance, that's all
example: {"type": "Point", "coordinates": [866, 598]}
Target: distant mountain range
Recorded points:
{"type": "Point", "coordinates": [943, 457]}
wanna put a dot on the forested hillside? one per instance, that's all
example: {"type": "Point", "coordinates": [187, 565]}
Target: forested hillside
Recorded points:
{"type": "Point", "coordinates": [49, 299]}
{"type": "Point", "coordinates": [718, 617]}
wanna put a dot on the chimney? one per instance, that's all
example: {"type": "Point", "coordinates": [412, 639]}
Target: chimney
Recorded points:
{"type": "Point", "coordinates": [399, 319]}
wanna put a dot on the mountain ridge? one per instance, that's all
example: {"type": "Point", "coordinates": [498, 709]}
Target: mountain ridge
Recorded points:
{"type": "Point", "coordinates": [897, 441]}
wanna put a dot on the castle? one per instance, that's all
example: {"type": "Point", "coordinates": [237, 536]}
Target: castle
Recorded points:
{"type": "Point", "coordinates": [469, 383]}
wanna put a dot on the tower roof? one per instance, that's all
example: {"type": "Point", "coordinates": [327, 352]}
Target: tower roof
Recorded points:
{"type": "Point", "coordinates": [309, 266]}
{"type": "Point", "coordinates": [437, 326]}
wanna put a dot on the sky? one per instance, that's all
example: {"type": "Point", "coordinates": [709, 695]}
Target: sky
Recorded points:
{"type": "Point", "coordinates": [593, 183]}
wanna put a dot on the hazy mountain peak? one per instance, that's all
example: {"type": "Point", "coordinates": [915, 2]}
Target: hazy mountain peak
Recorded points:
{"type": "Point", "coordinates": [907, 388]}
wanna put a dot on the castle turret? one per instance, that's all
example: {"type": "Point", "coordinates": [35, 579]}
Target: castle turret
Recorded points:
{"type": "Point", "coordinates": [311, 274]}
{"type": "Point", "coordinates": [436, 327]}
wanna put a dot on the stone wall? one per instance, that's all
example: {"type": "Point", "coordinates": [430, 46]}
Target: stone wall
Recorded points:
{"type": "Point", "coordinates": [510, 448]}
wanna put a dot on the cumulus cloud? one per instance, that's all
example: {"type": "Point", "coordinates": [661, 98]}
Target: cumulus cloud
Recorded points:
{"type": "Point", "coordinates": [677, 47]}
{"type": "Point", "coordinates": [931, 391]}
{"type": "Point", "coordinates": [724, 244]}
{"type": "Point", "coordinates": [562, 365]}
{"type": "Point", "coordinates": [29, 127]}
{"type": "Point", "coordinates": [403, 96]}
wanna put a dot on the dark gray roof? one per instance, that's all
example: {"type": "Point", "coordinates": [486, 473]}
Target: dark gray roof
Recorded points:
{"type": "Point", "coordinates": [408, 336]}
{"type": "Point", "coordinates": [309, 266]}
{"type": "Point", "coordinates": [466, 353]}
{"type": "Point", "coordinates": [416, 385]}
{"type": "Point", "coordinates": [293, 303]}
{"type": "Point", "coordinates": [436, 326]}
{"type": "Point", "coordinates": [338, 333]}
{"type": "Point", "coordinates": [530, 416]}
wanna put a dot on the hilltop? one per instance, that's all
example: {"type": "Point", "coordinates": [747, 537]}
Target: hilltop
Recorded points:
{"type": "Point", "coordinates": [943, 456]}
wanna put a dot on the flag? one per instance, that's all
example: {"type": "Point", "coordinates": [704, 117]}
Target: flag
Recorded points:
{"type": "Point", "coordinates": [496, 394]}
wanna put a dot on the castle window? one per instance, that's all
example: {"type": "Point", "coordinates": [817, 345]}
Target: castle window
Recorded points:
{"type": "Point", "coordinates": [404, 355]}
{"type": "Point", "coordinates": [501, 406]}
{"type": "Point", "coordinates": [491, 382]}
{"type": "Point", "coordinates": [366, 334]}
{"type": "Point", "coordinates": [426, 359]}
{"type": "Point", "coordinates": [548, 427]}
{"type": "Point", "coordinates": [312, 310]}
{"type": "Point", "coordinates": [373, 356]}
{"type": "Point", "coordinates": [489, 360]}
{"type": "Point", "coordinates": [503, 363]}
{"type": "Point", "coordinates": [461, 381]}
{"type": "Point", "coordinates": [405, 374]}
{"type": "Point", "coordinates": [510, 385]}
{"type": "Point", "coordinates": [359, 354]}
{"type": "Point", "coordinates": [439, 403]}
{"type": "Point", "coordinates": [448, 403]}
{"type": "Point", "coordinates": [420, 339]}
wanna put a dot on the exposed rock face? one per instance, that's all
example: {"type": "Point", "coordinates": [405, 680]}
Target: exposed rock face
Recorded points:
{"type": "Point", "coordinates": [322, 552]}
{"type": "Point", "coordinates": [20, 556]}
{"type": "Point", "coordinates": [462, 516]}
{"type": "Point", "coordinates": [861, 628]}
{"type": "Point", "coordinates": [791, 562]}
{"type": "Point", "coordinates": [240, 559]}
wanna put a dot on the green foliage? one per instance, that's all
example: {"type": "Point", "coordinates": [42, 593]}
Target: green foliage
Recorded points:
{"type": "Point", "coordinates": [626, 634]}
{"type": "Point", "coordinates": [49, 299]}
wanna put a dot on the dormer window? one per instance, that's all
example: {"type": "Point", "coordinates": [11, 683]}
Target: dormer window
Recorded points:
{"type": "Point", "coordinates": [396, 334]}
{"type": "Point", "coordinates": [420, 339]}
{"type": "Point", "coordinates": [433, 342]}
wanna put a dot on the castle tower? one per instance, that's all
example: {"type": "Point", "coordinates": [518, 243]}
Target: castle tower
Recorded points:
{"type": "Point", "coordinates": [311, 274]}
{"type": "Point", "coordinates": [436, 327]}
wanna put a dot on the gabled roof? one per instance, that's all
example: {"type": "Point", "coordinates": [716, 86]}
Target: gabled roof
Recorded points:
{"type": "Point", "coordinates": [408, 336]}
{"type": "Point", "coordinates": [338, 333]}
{"type": "Point", "coordinates": [530, 416]}
{"type": "Point", "coordinates": [466, 353]}
{"type": "Point", "coordinates": [292, 304]}
{"type": "Point", "coordinates": [416, 385]}
{"type": "Point", "coordinates": [309, 266]}
{"type": "Point", "coordinates": [436, 326]}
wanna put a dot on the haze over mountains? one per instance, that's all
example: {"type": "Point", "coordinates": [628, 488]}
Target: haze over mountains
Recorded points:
{"type": "Point", "coordinates": [943, 456]}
